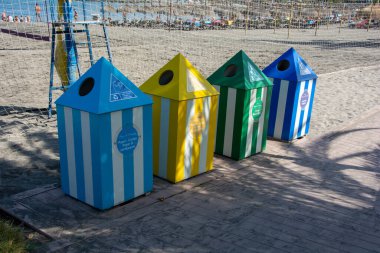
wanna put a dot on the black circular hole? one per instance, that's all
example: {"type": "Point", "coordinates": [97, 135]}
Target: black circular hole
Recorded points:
{"type": "Point", "coordinates": [230, 70]}
{"type": "Point", "coordinates": [283, 65]}
{"type": "Point", "coordinates": [166, 77]}
{"type": "Point", "coordinates": [86, 86]}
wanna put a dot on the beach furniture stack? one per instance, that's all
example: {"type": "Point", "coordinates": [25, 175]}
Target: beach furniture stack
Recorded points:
{"type": "Point", "coordinates": [243, 110]}
{"type": "Point", "coordinates": [184, 120]}
{"type": "Point", "coordinates": [105, 138]}
{"type": "Point", "coordinates": [292, 97]}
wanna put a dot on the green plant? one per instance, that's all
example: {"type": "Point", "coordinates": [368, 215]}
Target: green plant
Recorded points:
{"type": "Point", "coordinates": [11, 238]}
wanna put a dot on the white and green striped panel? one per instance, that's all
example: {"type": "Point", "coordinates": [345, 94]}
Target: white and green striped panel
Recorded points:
{"type": "Point", "coordinates": [242, 121]}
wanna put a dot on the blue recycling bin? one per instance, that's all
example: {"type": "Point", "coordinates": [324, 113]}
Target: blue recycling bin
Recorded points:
{"type": "Point", "coordinates": [292, 96]}
{"type": "Point", "coordinates": [105, 138]}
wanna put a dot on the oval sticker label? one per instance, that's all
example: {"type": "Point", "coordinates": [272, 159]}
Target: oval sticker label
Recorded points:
{"type": "Point", "coordinates": [197, 124]}
{"type": "Point", "coordinates": [127, 140]}
{"type": "Point", "coordinates": [257, 109]}
{"type": "Point", "coordinates": [304, 99]}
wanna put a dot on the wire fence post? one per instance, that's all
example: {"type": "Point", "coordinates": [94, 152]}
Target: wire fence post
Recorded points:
{"type": "Point", "coordinates": [170, 14]}
{"type": "Point", "coordinates": [290, 18]}
{"type": "Point", "coordinates": [341, 18]}
{"type": "Point", "coordinates": [370, 16]}
{"type": "Point", "coordinates": [246, 17]}
{"type": "Point", "coordinates": [317, 23]}
{"type": "Point", "coordinates": [329, 15]}
{"type": "Point", "coordinates": [275, 19]}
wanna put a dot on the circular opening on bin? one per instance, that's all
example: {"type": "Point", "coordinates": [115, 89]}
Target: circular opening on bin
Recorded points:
{"type": "Point", "coordinates": [230, 70]}
{"type": "Point", "coordinates": [166, 77]}
{"type": "Point", "coordinates": [283, 65]}
{"type": "Point", "coordinates": [86, 86]}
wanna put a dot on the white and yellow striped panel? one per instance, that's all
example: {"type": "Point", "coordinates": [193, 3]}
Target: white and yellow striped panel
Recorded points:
{"type": "Point", "coordinates": [183, 137]}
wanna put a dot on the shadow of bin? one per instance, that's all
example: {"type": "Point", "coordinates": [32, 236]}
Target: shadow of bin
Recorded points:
{"type": "Point", "coordinates": [184, 120]}
{"type": "Point", "coordinates": [292, 96]}
{"type": "Point", "coordinates": [105, 138]}
{"type": "Point", "coordinates": [243, 110]}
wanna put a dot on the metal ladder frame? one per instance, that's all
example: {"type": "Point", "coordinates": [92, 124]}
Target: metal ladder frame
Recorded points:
{"type": "Point", "coordinates": [68, 28]}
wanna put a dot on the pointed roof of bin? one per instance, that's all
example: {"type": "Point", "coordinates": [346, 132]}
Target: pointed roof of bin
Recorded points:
{"type": "Point", "coordinates": [290, 66]}
{"type": "Point", "coordinates": [239, 72]}
{"type": "Point", "coordinates": [178, 80]}
{"type": "Point", "coordinates": [103, 89]}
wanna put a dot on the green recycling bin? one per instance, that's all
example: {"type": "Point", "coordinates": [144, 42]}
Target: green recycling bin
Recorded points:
{"type": "Point", "coordinates": [243, 110]}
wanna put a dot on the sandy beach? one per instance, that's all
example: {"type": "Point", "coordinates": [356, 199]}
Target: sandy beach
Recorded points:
{"type": "Point", "coordinates": [348, 65]}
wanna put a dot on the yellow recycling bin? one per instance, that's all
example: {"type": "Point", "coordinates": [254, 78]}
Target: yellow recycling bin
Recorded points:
{"type": "Point", "coordinates": [184, 120]}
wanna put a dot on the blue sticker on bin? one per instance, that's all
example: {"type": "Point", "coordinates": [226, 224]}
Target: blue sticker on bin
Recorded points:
{"type": "Point", "coordinates": [304, 99]}
{"type": "Point", "coordinates": [127, 140]}
{"type": "Point", "coordinates": [303, 68]}
{"type": "Point", "coordinates": [119, 91]}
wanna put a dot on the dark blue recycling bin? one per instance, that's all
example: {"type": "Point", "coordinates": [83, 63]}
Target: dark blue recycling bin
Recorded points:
{"type": "Point", "coordinates": [292, 96]}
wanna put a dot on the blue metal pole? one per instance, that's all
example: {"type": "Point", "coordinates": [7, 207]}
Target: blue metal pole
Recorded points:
{"type": "Point", "coordinates": [69, 41]}
{"type": "Point", "coordinates": [51, 73]}
{"type": "Point", "coordinates": [102, 10]}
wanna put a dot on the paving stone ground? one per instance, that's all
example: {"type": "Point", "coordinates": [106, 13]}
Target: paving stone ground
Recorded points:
{"type": "Point", "coordinates": [318, 194]}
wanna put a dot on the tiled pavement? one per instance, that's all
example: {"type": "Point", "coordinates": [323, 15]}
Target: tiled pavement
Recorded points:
{"type": "Point", "coordinates": [318, 194]}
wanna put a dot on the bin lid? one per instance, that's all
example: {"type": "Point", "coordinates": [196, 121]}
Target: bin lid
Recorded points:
{"type": "Point", "coordinates": [290, 66]}
{"type": "Point", "coordinates": [240, 72]}
{"type": "Point", "coordinates": [103, 89]}
{"type": "Point", "coordinates": [178, 80]}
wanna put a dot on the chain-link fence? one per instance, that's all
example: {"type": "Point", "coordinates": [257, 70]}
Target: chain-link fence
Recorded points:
{"type": "Point", "coordinates": [143, 35]}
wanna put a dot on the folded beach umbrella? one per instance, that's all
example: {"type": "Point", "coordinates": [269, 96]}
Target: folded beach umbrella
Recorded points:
{"type": "Point", "coordinates": [184, 120]}
{"type": "Point", "coordinates": [243, 107]}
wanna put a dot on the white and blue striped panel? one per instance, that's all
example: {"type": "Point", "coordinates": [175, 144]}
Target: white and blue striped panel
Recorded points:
{"type": "Point", "coordinates": [298, 112]}
{"type": "Point", "coordinates": [287, 119]}
{"type": "Point", "coordinates": [280, 115]}
{"type": "Point", "coordinates": [92, 168]}
{"type": "Point", "coordinates": [138, 154]}
{"type": "Point", "coordinates": [117, 159]}
{"type": "Point", "coordinates": [62, 149]}
{"type": "Point", "coordinates": [302, 123]}
{"type": "Point", "coordinates": [313, 84]}
{"type": "Point", "coordinates": [277, 108]}
{"type": "Point", "coordinates": [87, 158]}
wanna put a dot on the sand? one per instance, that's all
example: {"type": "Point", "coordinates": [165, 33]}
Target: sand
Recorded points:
{"type": "Point", "coordinates": [348, 65]}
